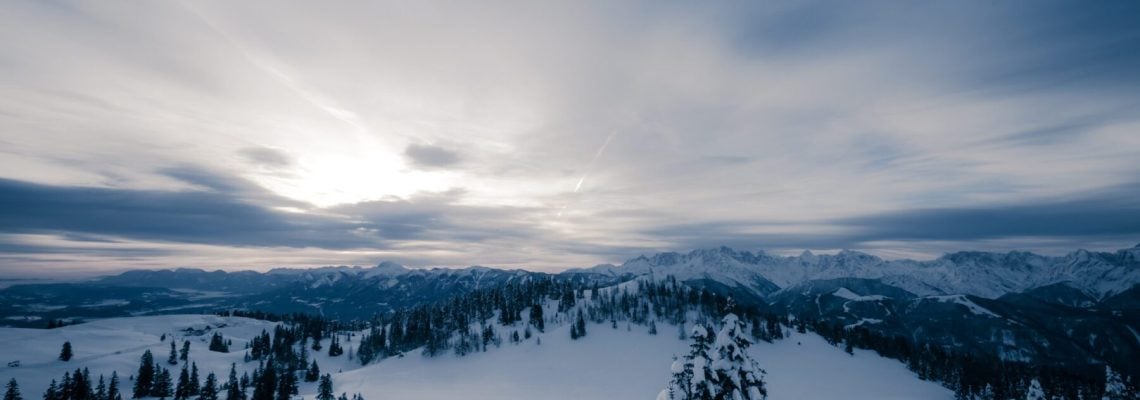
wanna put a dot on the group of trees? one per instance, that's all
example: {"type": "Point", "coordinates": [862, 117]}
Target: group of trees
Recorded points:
{"type": "Point", "coordinates": [78, 386]}
{"type": "Point", "coordinates": [970, 375]}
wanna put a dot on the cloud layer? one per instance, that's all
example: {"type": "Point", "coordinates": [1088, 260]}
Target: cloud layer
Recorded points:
{"type": "Point", "coordinates": [545, 136]}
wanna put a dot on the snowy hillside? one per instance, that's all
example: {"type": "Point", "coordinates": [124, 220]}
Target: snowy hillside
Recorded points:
{"type": "Point", "coordinates": [607, 363]}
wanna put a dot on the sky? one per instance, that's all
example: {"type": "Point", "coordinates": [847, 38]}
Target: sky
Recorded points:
{"type": "Point", "coordinates": [548, 135]}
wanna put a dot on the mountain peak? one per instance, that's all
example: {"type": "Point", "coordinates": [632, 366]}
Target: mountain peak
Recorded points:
{"type": "Point", "coordinates": [388, 268]}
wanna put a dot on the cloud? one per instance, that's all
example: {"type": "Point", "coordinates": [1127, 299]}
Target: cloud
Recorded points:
{"type": "Point", "coordinates": [430, 156]}
{"type": "Point", "coordinates": [267, 158]}
{"type": "Point", "coordinates": [813, 124]}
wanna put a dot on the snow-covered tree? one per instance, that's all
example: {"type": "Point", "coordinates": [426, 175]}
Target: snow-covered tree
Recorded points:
{"type": "Point", "coordinates": [1114, 387]}
{"type": "Point", "coordinates": [173, 359]}
{"type": "Point", "coordinates": [737, 374]}
{"type": "Point", "coordinates": [717, 367]}
{"type": "Point", "coordinates": [692, 377]}
{"type": "Point", "coordinates": [1035, 392]}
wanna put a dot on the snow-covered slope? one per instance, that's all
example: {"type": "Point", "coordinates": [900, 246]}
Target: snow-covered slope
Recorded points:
{"type": "Point", "coordinates": [116, 344]}
{"type": "Point", "coordinates": [606, 364]}
{"type": "Point", "coordinates": [977, 273]}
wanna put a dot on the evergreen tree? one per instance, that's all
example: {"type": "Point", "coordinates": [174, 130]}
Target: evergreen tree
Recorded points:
{"type": "Point", "coordinates": [1035, 392]}
{"type": "Point", "coordinates": [652, 327]}
{"type": "Point", "coordinates": [113, 387]}
{"type": "Point", "coordinates": [737, 375]}
{"type": "Point", "coordinates": [536, 317]}
{"type": "Point", "coordinates": [265, 384]}
{"type": "Point", "coordinates": [325, 388]}
{"type": "Point", "coordinates": [182, 389]}
{"type": "Point", "coordinates": [209, 389]}
{"type": "Point", "coordinates": [1114, 387]}
{"type": "Point", "coordinates": [13, 391]}
{"type": "Point", "coordinates": [173, 359]}
{"type": "Point", "coordinates": [693, 378]}
{"type": "Point", "coordinates": [313, 373]}
{"type": "Point", "coordinates": [218, 344]}
{"type": "Point", "coordinates": [101, 389]}
{"type": "Point", "coordinates": [144, 379]}
{"type": "Point", "coordinates": [163, 385]}
{"type": "Point", "coordinates": [234, 389]}
{"type": "Point", "coordinates": [52, 392]}
{"type": "Point", "coordinates": [65, 353]}
{"type": "Point", "coordinates": [184, 355]}
{"type": "Point", "coordinates": [195, 386]}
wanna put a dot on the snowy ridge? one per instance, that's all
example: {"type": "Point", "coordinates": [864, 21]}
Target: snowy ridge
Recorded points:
{"type": "Point", "coordinates": [981, 274]}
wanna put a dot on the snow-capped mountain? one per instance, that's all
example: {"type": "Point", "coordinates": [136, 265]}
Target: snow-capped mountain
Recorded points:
{"type": "Point", "coordinates": [984, 274]}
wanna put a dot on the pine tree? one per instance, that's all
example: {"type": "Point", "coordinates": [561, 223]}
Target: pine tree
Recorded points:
{"type": "Point", "coordinates": [1035, 392]}
{"type": "Point", "coordinates": [737, 375]}
{"type": "Point", "coordinates": [144, 379]}
{"type": "Point", "coordinates": [113, 387]}
{"type": "Point", "coordinates": [218, 344]}
{"type": "Point", "coordinates": [184, 355]}
{"type": "Point", "coordinates": [265, 385]}
{"type": "Point", "coordinates": [52, 392]}
{"type": "Point", "coordinates": [325, 388]}
{"type": "Point", "coordinates": [163, 387]}
{"type": "Point", "coordinates": [101, 389]}
{"type": "Point", "coordinates": [13, 391]}
{"type": "Point", "coordinates": [693, 378]}
{"type": "Point", "coordinates": [182, 389]}
{"type": "Point", "coordinates": [65, 353]}
{"type": "Point", "coordinates": [536, 317]}
{"type": "Point", "coordinates": [234, 389]}
{"type": "Point", "coordinates": [195, 386]}
{"type": "Point", "coordinates": [313, 373]}
{"type": "Point", "coordinates": [173, 359]}
{"type": "Point", "coordinates": [209, 389]}
{"type": "Point", "coordinates": [1114, 387]}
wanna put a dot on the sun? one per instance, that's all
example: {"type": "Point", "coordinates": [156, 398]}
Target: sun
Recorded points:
{"type": "Point", "coordinates": [327, 180]}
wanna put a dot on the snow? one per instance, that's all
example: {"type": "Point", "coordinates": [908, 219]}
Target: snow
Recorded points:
{"type": "Point", "coordinates": [616, 364]}
{"type": "Point", "coordinates": [972, 306]}
{"type": "Point", "coordinates": [849, 295]}
{"type": "Point", "coordinates": [115, 345]}
{"type": "Point", "coordinates": [606, 363]}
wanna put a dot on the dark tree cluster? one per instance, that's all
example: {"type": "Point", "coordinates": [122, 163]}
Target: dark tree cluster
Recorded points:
{"type": "Point", "coordinates": [79, 386]}
{"type": "Point", "coordinates": [971, 376]}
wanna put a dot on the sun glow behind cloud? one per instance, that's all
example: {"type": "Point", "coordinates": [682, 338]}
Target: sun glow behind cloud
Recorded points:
{"type": "Point", "coordinates": [555, 135]}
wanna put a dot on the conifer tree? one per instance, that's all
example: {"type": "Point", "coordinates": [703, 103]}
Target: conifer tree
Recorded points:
{"type": "Point", "coordinates": [737, 375]}
{"type": "Point", "coordinates": [163, 384]}
{"type": "Point", "coordinates": [184, 355]}
{"type": "Point", "coordinates": [101, 389]}
{"type": "Point", "coordinates": [173, 359]}
{"type": "Point", "coordinates": [536, 317]}
{"type": "Point", "coordinates": [182, 389]}
{"type": "Point", "coordinates": [12, 392]}
{"type": "Point", "coordinates": [144, 379]}
{"type": "Point", "coordinates": [209, 389]}
{"type": "Point", "coordinates": [313, 373]}
{"type": "Point", "coordinates": [234, 389]}
{"type": "Point", "coordinates": [1114, 387]}
{"type": "Point", "coordinates": [113, 387]}
{"type": "Point", "coordinates": [1035, 392]}
{"type": "Point", "coordinates": [195, 386]}
{"type": "Point", "coordinates": [218, 344]}
{"type": "Point", "coordinates": [52, 392]}
{"type": "Point", "coordinates": [325, 388]}
{"type": "Point", "coordinates": [65, 353]}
